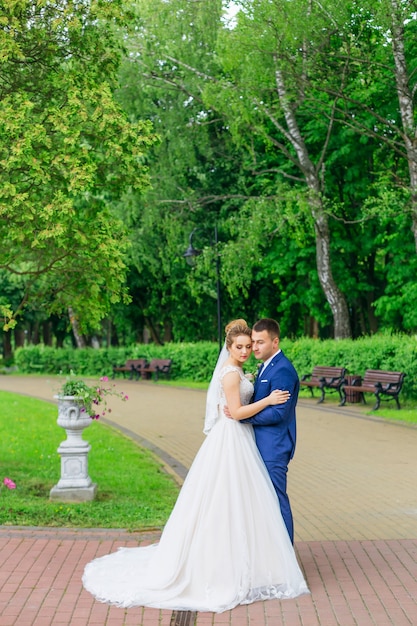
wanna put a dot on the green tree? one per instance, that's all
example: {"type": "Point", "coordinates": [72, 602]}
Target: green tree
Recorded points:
{"type": "Point", "coordinates": [201, 177]}
{"type": "Point", "coordinates": [273, 62]}
{"type": "Point", "coordinates": [290, 69]}
{"type": "Point", "coordinates": [193, 169]}
{"type": "Point", "coordinates": [382, 62]}
{"type": "Point", "coordinates": [377, 102]}
{"type": "Point", "coordinates": [67, 151]}
{"type": "Point", "coordinates": [282, 131]}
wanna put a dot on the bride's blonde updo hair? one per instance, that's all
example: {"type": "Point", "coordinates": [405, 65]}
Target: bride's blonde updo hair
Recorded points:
{"type": "Point", "coordinates": [235, 329]}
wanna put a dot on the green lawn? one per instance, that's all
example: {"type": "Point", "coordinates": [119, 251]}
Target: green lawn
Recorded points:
{"type": "Point", "coordinates": [387, 409]}
{"type": "Point", "coordinates": [407, 413]}
{"type": "Point", "coordinates": [134, 491]}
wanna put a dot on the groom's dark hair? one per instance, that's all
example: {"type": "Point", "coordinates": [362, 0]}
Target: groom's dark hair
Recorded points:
{"type": "Point", "coordinates": [271, 326]}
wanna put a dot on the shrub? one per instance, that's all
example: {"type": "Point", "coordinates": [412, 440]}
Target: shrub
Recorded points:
{"type": "Point", "coordinates": [196, 361]}
{"type": "Point", "coordinates": [190, 361]}
{"type": "Point", "coordinates": [386, 352]}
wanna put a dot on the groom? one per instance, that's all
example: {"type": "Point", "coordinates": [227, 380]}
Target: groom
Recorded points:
{"type": "Point", "coordinates": [275, 426]}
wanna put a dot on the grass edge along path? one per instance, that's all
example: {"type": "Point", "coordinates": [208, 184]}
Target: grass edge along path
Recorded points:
{"type": "Point", "coordinates": [387, 410]}
{"type": "Point", "coordinates": [134, 491]}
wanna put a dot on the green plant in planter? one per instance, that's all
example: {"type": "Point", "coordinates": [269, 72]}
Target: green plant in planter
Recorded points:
{"type": "Point", "coordinates": [90, 396]}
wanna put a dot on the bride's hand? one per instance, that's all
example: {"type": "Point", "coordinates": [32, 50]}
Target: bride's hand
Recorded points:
{"type": "Point", "coordinates": [278, 396]}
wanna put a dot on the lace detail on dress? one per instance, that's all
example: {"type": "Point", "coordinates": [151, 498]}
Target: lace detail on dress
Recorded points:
{"type": "Point", "coordinates": [217, 398]}
{"type": "Point", "coordinates": [246, 387]}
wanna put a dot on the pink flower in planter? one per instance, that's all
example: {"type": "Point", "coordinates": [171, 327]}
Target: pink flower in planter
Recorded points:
{"type": "Point", "coordinates": [9, 483]}
{"type": "Point", "coordinates": [90, 396]}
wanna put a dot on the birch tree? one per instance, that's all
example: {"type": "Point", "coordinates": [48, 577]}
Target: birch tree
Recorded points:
{"type": "Point", "coordinates": [270, 87]}
{"type": "Point", "coordinates": [223, 81]}
{"type": "Point", "coordinates": [402, 21]}
{"type": "Point", "coordinates": [378, 101]}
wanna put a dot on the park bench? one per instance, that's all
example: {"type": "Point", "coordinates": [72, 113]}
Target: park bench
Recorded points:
{"type": "Point", "coordinates": [132, 366]}
{"type": "Point", "coordinates": [330, 378]}
{"type": "Point", "coordinates": [378, 382]}
{"type": "Point", "coordinates": [156, 367]}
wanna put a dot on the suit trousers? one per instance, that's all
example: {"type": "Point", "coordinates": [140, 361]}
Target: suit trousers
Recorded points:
{"type": "Point", "coordinates": [278, 473]}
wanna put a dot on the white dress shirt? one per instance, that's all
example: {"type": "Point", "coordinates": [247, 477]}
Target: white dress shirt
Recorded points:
{"type": "Point", "coordinates": [266, 363]}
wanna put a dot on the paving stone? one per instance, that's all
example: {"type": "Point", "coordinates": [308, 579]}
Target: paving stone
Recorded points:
{"type": "Point", "coordinates": [353, 489]}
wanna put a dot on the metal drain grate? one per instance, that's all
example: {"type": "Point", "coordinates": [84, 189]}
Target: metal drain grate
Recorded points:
{"type": "Point", "coordinates": [183, 618]}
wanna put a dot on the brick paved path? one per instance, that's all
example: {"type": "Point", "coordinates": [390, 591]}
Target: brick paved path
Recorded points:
{"type": "Point", "coordinates": [353, 484]}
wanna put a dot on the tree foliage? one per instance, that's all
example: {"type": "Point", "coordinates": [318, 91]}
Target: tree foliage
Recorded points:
{"type": "Point", "coordinates": [279, 129]}
{"type": "Point", "coordinates": [291, 129]}
{"type": "Point", "coordinates": [66, 151]}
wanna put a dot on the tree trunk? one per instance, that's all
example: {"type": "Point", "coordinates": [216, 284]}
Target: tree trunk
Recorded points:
{"type": "Point", "coordinates": [405, 100]}
{"type": "Point", "coordinates": [7, 345]}
{"type": "Point", "coordinates": [109, 328]}
{"type": "Point", "coordinates": [34, 334]}
{"type": "Point", "coordinates": [19, 337]}
{"type": "Point", "coordinates": [153, 331]}
{"type": "Point", "coordinates": [334, 296]}
{"type": "Point", "coordinates": [47, 333]}
{"type": "Point", "coordinates": [79, 339]}
{"type": "Point", "coordinates": [311, 327]}
{"type": "Point", "coordinates": [167, 331]}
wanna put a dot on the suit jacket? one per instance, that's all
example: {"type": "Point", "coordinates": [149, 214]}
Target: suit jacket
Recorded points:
{"type": "Point", "coordinates": [275, 426]}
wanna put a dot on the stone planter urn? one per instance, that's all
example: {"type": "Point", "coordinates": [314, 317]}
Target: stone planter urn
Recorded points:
{"type": "Point", "coordinates": [75, 485]}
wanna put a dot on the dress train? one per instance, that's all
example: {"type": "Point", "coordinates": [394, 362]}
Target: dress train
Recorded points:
{"type": "Point", "coordinates": [224, 544]}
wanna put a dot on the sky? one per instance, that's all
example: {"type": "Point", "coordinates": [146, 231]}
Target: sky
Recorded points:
{"type": "Point", "coordinates": [231, 11]}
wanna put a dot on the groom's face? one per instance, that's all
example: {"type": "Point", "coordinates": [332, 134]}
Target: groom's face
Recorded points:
{"type": "Point", "coordinates": [263, 346]}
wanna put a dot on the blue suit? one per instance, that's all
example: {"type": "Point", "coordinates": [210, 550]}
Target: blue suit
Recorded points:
{"type": "Point", "coordinates": [275, 428]}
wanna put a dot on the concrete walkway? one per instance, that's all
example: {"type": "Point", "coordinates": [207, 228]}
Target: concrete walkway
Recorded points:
{"type": "Point", "coordinates": [353, 487]}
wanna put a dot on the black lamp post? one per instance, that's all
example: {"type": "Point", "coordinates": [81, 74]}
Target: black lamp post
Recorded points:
{"type": "Point", "coordinates": [190, 254]}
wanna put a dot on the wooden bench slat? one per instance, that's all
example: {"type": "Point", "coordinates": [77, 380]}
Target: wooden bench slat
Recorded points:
{"type": "Point", "coordinates": [133, 366]}
{"type": "Point", "coordinates": [157, 367]}
{"type": "Point", "coordinates": [377, 382]}
{"type": "Point", "coordinates": [322, 377]}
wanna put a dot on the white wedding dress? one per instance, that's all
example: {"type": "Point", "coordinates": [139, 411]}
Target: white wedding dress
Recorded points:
{"type": "Point", "coordinates": [225, 542]}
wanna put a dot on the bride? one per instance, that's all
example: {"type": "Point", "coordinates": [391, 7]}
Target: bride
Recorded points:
{"type": "Point", "coordinates": [225, 542]}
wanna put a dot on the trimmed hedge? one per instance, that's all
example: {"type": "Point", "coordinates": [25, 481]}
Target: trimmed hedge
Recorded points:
{"type": "Point", "coordinates": [189, 361]}
{"type": "Point", "coordinates": [195, 361]}
{"type": "Point", "coordinates": [396, 353]}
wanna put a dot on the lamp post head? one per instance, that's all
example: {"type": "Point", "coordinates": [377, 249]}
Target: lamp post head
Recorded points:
{"type": "Point", "coordinates": [190, 256]}
{"type": "Point", "coordinates": [191, 253]}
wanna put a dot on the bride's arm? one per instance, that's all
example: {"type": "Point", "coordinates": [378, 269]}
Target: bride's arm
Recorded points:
{"type": "Point", "coordinates": [231, 386]}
